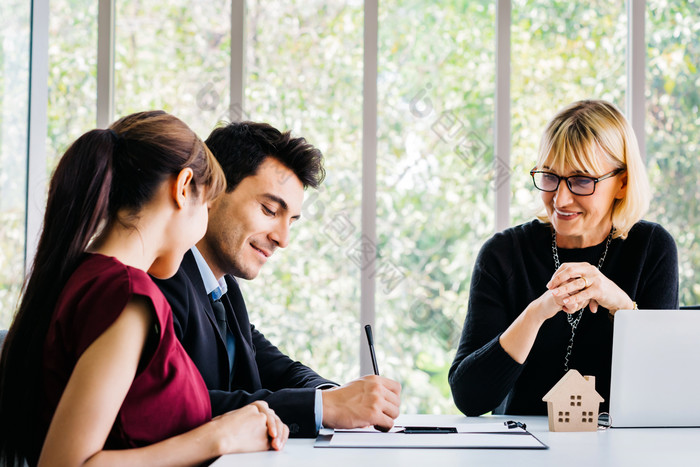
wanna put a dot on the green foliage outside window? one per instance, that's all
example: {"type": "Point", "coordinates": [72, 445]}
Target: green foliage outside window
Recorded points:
{"type": "Point", "coordinates": [14, 111]}
{"type": "Point", "coordinates": [673, 130]}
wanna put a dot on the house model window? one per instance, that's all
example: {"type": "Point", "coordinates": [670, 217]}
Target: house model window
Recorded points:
{"type": "Point", "coordinates": [572, 404]}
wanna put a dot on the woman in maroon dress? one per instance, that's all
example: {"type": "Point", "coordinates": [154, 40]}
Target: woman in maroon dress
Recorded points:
{"type": "Point", "coordinates": [91, 370]}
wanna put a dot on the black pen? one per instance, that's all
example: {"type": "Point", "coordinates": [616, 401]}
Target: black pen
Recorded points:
{"type": "Point", "coordinates": [370, 341]}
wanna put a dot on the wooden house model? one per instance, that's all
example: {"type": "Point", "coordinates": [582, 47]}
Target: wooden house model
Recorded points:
{"type": "Point", "coordinates": [572, 404]}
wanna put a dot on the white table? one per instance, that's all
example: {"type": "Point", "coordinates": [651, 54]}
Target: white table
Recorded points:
{"type": "Point", "coordinates": [665, 447]}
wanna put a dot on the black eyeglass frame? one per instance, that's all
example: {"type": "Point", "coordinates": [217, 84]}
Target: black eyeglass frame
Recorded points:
{"type": "Point", "coordinates": [566, 179]}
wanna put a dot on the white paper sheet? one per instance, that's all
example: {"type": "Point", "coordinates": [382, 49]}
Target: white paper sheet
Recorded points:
{"type": "Point", "coordinates": [468, 436]}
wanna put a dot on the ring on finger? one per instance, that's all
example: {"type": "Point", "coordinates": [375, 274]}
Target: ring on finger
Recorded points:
{"type": "Point", "coordinates": [585, 281]}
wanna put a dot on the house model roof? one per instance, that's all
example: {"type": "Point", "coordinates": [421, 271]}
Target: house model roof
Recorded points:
{"type": "Point", "coordinates": [574, 382]}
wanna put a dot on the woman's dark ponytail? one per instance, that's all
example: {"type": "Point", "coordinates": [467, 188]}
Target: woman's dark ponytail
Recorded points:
{"type": "Point", "coordinates": [77, 203]}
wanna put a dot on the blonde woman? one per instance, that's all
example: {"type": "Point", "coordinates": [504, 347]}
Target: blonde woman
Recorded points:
{"type": "Point", "coordinates": [543, 293]}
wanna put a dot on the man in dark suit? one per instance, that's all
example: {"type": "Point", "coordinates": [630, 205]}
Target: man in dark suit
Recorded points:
{"type": "Point", "coordinates": [266, 174]}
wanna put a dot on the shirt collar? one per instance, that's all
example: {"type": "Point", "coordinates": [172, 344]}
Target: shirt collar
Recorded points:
{"type": "Point", "coordinates": [211, 284]}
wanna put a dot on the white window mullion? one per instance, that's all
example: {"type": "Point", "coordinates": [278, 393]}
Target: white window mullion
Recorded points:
{"type": "Point", "coordinates": [501, 159]}
{"type": "Point", "coordinates": [38, 127]}
{"type": "Point", "coordinates": [105, 63]}
{"type": "Point", "coordinates": [369, 172]}
{"type": "Point", "coordinates": [237, 71]}
{"type": "Point", "coordinates": [636, 69]}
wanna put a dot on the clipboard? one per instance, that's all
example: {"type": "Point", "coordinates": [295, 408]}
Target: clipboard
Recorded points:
{"type": "Point", "coordinates": [460, 436]}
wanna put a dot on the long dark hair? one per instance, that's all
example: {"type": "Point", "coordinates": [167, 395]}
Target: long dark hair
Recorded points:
{"type": "Point", "coordinates": [103, 172]}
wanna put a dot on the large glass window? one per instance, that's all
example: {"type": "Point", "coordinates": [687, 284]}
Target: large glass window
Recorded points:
{"type": "Point", "coordinates": [561, 52]}
{"type": "Point", "coordinates": [673, 130]}
{"type": "Point", "coordinates": [15, 31]}
{"type": "Point", "coordinates": [435, 193]}
{"type": "Point", "coordinates": [304, 74]}
{"type": "Point", "coordinates": [72, 106]}
{"type": "Point", "coordinates": [173, 56]}
{"type": "Point", "coordinates": [435, 164]}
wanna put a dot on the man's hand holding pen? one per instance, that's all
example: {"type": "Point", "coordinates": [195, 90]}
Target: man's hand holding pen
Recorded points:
{"type": "Point", "coordinates": [370, 400]}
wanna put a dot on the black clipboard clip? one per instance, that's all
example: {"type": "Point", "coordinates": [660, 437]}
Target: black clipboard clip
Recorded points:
{"type": "Point", "coordinates": [514, 424]}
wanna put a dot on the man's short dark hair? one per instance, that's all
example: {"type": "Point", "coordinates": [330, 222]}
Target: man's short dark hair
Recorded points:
{"type": "Point", "coordinates": [240, 148]}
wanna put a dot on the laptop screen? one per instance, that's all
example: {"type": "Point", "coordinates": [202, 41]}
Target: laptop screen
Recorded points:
{"type": "Point", "coordinates": [655, 380]}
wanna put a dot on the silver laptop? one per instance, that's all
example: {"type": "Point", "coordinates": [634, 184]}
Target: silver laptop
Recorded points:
{"type": "Point", "coordinates": [655, 369]}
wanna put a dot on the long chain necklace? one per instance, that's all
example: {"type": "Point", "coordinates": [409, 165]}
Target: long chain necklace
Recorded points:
{"type": "Point", "coordinates": [574, 320]}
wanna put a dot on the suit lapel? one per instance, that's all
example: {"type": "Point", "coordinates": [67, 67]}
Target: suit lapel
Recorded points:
{"type": "Point", "coordinates": [245, 367]}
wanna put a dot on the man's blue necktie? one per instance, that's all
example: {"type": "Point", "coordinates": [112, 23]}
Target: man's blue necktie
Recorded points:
{"type": "Point", "coordinates": [226, 334]}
